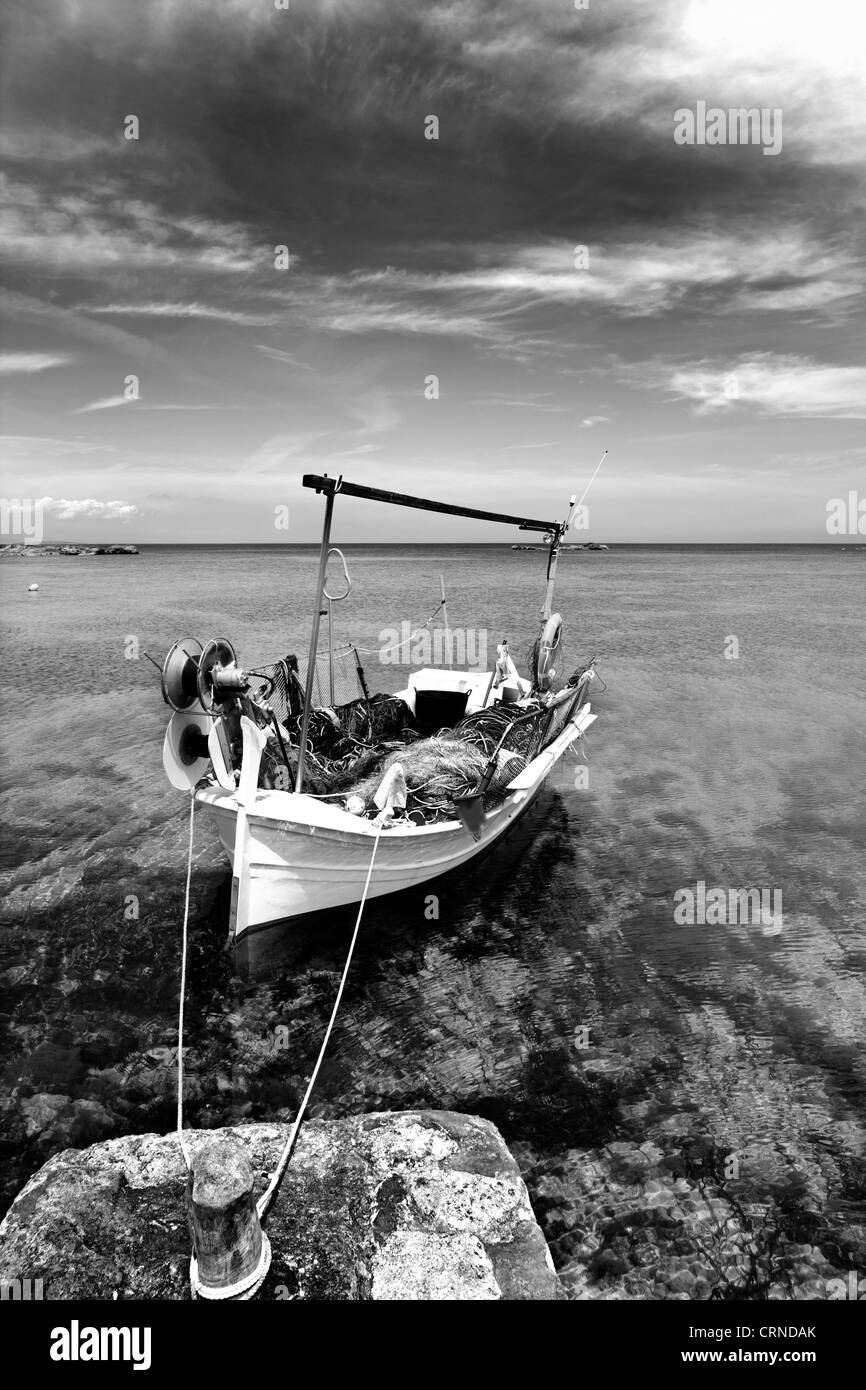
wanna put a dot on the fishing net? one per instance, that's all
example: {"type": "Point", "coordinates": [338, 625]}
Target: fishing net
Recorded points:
{"type": "Point", "coordinates": [351, 746]}
{"type": "Point", "coordinates": [344, 743]}
{"type": "Point", "coordinates": [452, 762]}
{"type": "Point", "coordinates": [436, 770]}
{"type": "Point", "coordinates": [283, 683]}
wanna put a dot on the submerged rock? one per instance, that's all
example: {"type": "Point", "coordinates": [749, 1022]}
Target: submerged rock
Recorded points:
{"type": "Point", "coordinates": [416, 1206]}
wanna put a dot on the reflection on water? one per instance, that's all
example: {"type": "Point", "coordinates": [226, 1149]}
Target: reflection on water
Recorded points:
{"type": "Point", "coordinates": [685, 1101]}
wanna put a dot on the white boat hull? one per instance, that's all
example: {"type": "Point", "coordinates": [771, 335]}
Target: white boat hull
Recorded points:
{"type": "Point", "coordinates": [293, 855]}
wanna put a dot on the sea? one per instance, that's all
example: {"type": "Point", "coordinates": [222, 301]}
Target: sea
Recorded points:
{"type": "Point", "coordinates": [684, 1093]}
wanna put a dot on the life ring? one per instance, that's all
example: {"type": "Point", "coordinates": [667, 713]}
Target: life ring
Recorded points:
{"type": "Point", "coordinates": [549, 647]}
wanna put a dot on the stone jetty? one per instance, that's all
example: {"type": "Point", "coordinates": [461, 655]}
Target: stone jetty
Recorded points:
{"type": "Point", "coordinates": [419, 1205]}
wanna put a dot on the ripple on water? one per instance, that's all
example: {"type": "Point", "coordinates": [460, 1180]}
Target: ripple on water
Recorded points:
{"type": "Point", "coordinates": [634, 1066]}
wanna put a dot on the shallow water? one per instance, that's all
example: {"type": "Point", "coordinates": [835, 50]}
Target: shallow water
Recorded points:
{"type": "Point", "coordinates": [732, 1053]}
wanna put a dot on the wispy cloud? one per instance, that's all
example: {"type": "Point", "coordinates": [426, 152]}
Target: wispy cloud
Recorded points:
{"type": "Point", "coordinates": [175, 310]}
{"type": "Point", "coordinates": [271, 455]}
{"type": "Point", "coordinates": [632, 278]}
{"type": "Point", "coordinates": [44, 144]}
{"type": "Point", "coordinates": [107, 403]}
{"type": "Point", "coordinates": [71, 509]}
{"type": "Point", "coordinates": [358, 451]}
{"type": "Point", "coordinates": [98, 228]}
{"type": "Point", "coordinates": [785, 385]}
{"type": "Point", "coordinates": [13, 363]}
{"type": "Point", "coordinates": [277, 355]}
{"type": "Point", "coordinates": [33, 447]}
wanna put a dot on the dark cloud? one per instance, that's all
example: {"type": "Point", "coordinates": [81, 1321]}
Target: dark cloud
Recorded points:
{"type": "Point", "coordinates": [306, 127]}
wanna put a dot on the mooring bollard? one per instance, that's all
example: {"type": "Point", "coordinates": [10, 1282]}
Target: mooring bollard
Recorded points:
{"type": "Point", "coordinates": [231, 1253]}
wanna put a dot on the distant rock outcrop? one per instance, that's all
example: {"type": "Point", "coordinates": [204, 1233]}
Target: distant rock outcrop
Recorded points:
{"type": "Point", "coordinates": [414, 1206]}
{"type": "Point", "coordinates": [36, 552]}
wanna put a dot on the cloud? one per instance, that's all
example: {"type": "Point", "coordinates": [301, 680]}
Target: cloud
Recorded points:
{"type": "Point", "coordinates": [71, 509]}
{"type": "Point", "coordinates": [174, 310]}
{"type": "Point", "coordinates": [544, 401]}
{"type": "Point", "coordinates": [521, 298]}
{"type": "Point", "coordinates": [375, 412]}
{"type": "Point", "coordinates": [633, 278]}
{"type": "Point", "coordinates": [784, 385]}
{"type": "Point", "coordinates": [277, 355]}
{"type": "Point", "coordinates": [358, 451]}
{"type": "Point", "coordinates": [454, 257]}
{"type": "Point", "coordinates": [46, 145]}
{"type": "Point", "coordinates": [108, 403]}
{"type": "Point", "coordinates": [32, 447]}
{"type": "Point", "coordinates": [103, 227]}
{"type": "Point", "coordinates": [16, 362]}
{"type": "Point", "coordinates": [276, 451]}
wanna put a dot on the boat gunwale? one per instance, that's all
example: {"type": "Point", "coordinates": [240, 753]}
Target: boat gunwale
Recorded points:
{"type": "Point", "coordinates": [363, 829]}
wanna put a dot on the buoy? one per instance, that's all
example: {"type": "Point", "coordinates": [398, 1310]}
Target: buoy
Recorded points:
{"type": "Point", "coordinates": [231, 1253]}
{"type": "Point", "coordinates": [33, 588]}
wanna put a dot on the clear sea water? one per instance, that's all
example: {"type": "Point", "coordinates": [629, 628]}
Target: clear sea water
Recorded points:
{"type": "Point", "coordinates": [745, 772]}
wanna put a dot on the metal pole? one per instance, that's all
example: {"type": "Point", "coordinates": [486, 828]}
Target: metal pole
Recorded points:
{"type": "Point", "coordinates": [314, 639]}
{"type": "Point", "coordinates": [445, 616]}
{"type": "Point", "coordinates": [331, 650]}
{"type": "Point", "coordinates": [559, 533]}
{"type": "Point", "coordinates": [556, 541]}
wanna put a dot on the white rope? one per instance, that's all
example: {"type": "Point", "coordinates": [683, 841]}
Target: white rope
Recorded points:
{"type": "Point", "coordinates": [265, 1200]}
{"type": "Point", "coordinates": [246, 1287]}
{"type": "Point", "coordinates": [243, 1289]}
{"type": "Point", "coordinates": [385, 651]}
{"type": "Point", "coordinates": [181, 1140]}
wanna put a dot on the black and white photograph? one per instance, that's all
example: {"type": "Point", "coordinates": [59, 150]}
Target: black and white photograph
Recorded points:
{"type": "Point", "coordinates": [432, 587]}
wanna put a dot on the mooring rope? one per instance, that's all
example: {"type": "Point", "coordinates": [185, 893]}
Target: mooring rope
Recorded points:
{"type": "Point", "coordinates": [264, 1201]}
{"type": "Point", "coordinates": [181, 1140]}
{"type": "Point", "coordinates": [267, 1196]}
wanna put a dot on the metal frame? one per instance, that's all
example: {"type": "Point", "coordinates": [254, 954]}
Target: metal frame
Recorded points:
{"type": "Point", "coordinates": [330, 487]}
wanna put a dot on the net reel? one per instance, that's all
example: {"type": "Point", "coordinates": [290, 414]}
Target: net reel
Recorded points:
{"type": "Point", "coordinates": [219, 676]}
{"type": "Point", "coordinates": [180, 673]}
{"type": "Point", "coordinates": [209, 675]}
{"type": "Point", "coordinates": [185, 749]}
{"type": "Point", "coordinates": [196, 680]}
{"type": "Point", "coordinates": [195, 742]}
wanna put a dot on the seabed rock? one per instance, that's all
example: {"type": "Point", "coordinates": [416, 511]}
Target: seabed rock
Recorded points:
{"type": "Point", "coordinates": [414, 1206]}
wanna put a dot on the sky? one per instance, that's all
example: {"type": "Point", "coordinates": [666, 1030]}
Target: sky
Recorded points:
{"type": "Point", "coordinates": [472, 317]}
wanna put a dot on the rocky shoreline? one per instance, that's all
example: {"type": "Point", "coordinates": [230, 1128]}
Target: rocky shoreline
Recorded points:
{"type": "Point", "coordinates": [420, 1205]}
{"type": "Point", "coordinates": [21, 550]}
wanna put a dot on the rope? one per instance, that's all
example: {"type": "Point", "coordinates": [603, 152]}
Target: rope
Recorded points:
{"type": "Point", "coordinates": [243, 1289]}
{"type": "Point", "coordinates": [396, 647]}
{"type": "Point", "coordinates": [181, 1140]}
{"type": "Point", "coordinates": [246, 1287]}
{"type": "Point", "coordinates": [267, 1196]}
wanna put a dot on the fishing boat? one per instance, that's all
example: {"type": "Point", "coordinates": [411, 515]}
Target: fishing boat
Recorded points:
{"type": "Point", "coordinates": [324, 794]}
